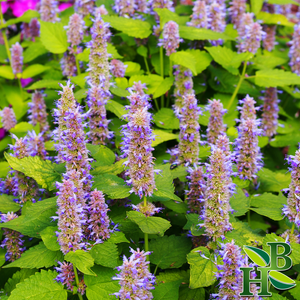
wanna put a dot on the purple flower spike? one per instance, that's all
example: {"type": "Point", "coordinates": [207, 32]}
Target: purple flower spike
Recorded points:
{"type": "Point", "coordinates": [217, 14]}
{"type": "Point", "coordinates": [183, 86]}
{"type": "Point", "coordinates": [248, 110]}
{"type": "Point", "coordinates": [75, 30]}
{"type": "Point", "coordinates": [34, 27]}
{"type": "Point", "coordinates": [135, 279]}
{"type": "Point", "coordinates": [294, 53]}
{"type": "Point", "coordinates": [270, 112]}
{"type": "Point", "coordinates": [148, 210]}
{"type": "Point", "coordinates": [291, 237]}
{"type": "Point", "coordinates": [12, 241]}
{"type": "Point", "coordinates": [162, 4]}
{"type": "Point", "coordinates": [125, 8]}
{"type": "Point", "coordinates": [99, 222]}
{"type": "Point", "coordinates": [17, 59]}
{"type": "Point", "coordinates": [118, 68]}
{"type": "Point", "coordinates": [217, 195]}
{"type": "Point", "coordinates": [49, 11]}
{"type": "Point", "coordinates": [100, 10]}
{"type": "Point", "coordinates": [215, 125]}
{"type": "Point", "coordinates": [171, 39]}
{"type": "Point", "coordinates": [36, 145]}
{"type": "Point", "coordinates": [66, 275]}
{"type": "Point", "coordinates": [71, 214]}
{"type": "Point", "coordinates": [200, 15]}
{"type": "Point", "coordinates": [292, 209]}
{"type": "Point", "coordinates": [84, 7]}
{"type": "Point", "coordinates": [38, 114]}
{"type": "Point", "coordinates": [189, 136]}
{"type": "Point", "coordinates": [8, 120]}
{"type": "Point", "coordinates": [236, 10]}
{"type": "Point", "coordinates": [195, 193]}
{"type": "Point", "coordinates": [137, 142]}
{"type": "Point", "coordinates": [270, 40]}
{"type": "Point", "coordinates": [68, 65]}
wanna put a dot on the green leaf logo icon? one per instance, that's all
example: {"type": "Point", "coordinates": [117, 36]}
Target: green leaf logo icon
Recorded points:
{"type": "Point", "coordinates": [281, 281]}
{"type": "Point", "coordinates": [258, 256]}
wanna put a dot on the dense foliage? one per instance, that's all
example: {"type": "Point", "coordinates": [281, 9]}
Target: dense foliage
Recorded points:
{"type": "Point", "coordinates": [144, 143]}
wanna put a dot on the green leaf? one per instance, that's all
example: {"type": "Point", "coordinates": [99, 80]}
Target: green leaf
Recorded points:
{"type": "Point", "coordinates": [116, 108]}
{"type": "Point", "coordinates": [285, 140]}
{"type": "Point", "coordinates": [49, 238]}
{"type": "Point", "coordinates": [276, 19]}
{"type": "Point", "coordinates": [6, 72]}
{"type": "Point", "coordinates": [256, 6]}
{"type": "Point", "coordinates": [163, 254]}
{"type": "Point", "coordinates": [178, 207]}
{"type": "Point", "coordinates": [281, 281]}
{"type": "Point", "coordinates": [202, 59]}
{"type": "Point", "coordinates": [192, 33]}
{"type": "Point", "coordinates": [103, 155]}
{"type": "Point", "coordinates": [165, 118]}
{"type": "Point", "coordinates": [162, 136]}
{"type": "Point", "coordinates": [227, 58]}
{"type": "Point", "coordinates": [114, 169]}
{"type": "Point", "coordinates": [21, 127]}
{"type": "Point", "coordinates": [263, 141]}
{"type": "Point", "coordinates": [79, 80]}
{"type": "Point", "coordinates": [136, 28]}
{"type": "Point", "coordinates": [173, 275]}
{"type": "Point", "coordinates": [101, 287]}
{"type": "Point", "coordinates": [268, 61]}
{"type": "Point", "coordinates": [273, 181]}
{"type": "Point", "coordinates": [4, 169]}
{"type": "Point", "coordinates": [150, 225]}
{"type": "Point", "coordinates": [38, 216]}
{"type": "Point", "coordinates": [202, 269]}
{"type": "Point", "coordinates": [111, 185]}
{"type": "Point", "coordinates": [54, 37]}
{"type": "Point", "coordinates": [47, 83]}
{"type": "Point", "coordinates": [274, 78]}
{"type": "Point", "coordinates": [26, 18]}
{"type": "Point", "coordinates": [44, 172]}
{"type": "Point", "coordinates": [37, 257]}
{"type": "Point", "coordinates": [166, 291]}
{"type": "Point", "coordinates": [105, 254]}
{"type": "Point", "coordinates": [142, 50]}
{"type": "Point", "coordinates": [111, 49]}
{"type": "Point", "coordinates": [118, 91]}
{"type": "Point", "coordinates": [239, 203]}
{"type": "Point", "coordinates": [184, 59]}
{"type": "Point", "coordinates": [258, 256]}
{"type": "Point", "coordinates": [185, 293]}
{"type": "Point", "coordinates": [282, 2]}
{"type": "Point", "coordinates": [34, 70]}
{"type": "Point", "coordinates": [163, 87]}
{"type": "Point", "coordinates": [132, 68]}
{"type": "Point", "coordinates": [165, 15]}
{"type": "Point", "coordinates": [82, 260]}
{"type": "Point", "coordinates": [2, 256]}
{"type": "Point", "coordinates": [118, 237]}
{"type": "Point", "coordinates": [81, 94]}
{"type": "Point", "coordinates": [40, 286]}
{"type": "Point", "coordinates": [7, 204]}
{"type": "Point", "coordinates": [33, 51]}
{"type": "Point", "coordinates": [295, 254]}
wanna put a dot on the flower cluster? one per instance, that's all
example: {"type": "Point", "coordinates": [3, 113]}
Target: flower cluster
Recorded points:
{"type": "Point", "coordinates": [189, 136]}
{"type": "Point", "coordinates": [8, 120]}
{"type": "Point", "coordinates": [49, 10]}
{"type": "Point", "coordinates": [125, 8]}
{"type": "Point", "coordinates": [196, 190]}
{"type": "Point", "coordinates": [148, 209]}
{"type": "Point", "coordinates": [68, 65]}
{"type": "Point", "coordinates": [13, 241]}
{"type": "Point", "coordinates": [291, 237]}
{"type": "Point", "coordinates": [270, 112]}
{"type": "Point", "coordinates": [31, 30]}
{"type": "Point", "coordinates": [183, 86]}
{"type": "Point", "coordinates": [217, 194]}
{"type": "Point", "coordinates": [137, 141]}
{"type": "Point", "coordinates": [36, 145]}
{"type": "Point", "coordinates": [66, 275]}
{"type": "Point", "coordinates": [215, 125]}
{"type": "Point", "coordinates": [236, 10]}
{"type": "Point", "coordinates": [84, 7]}
{"type": "Point", "coordinates": [117, 68]}
{"type": "Point", "coordinates": [171, 39]}
{"type": "Point", "coordinates": [216, 14]}
{"type": "Point", "coordinates": [17, 59]}
{"type": "Point", "coordinates": [270, 39]}
{"type": "Point", "coordinates": [135, 279]}
{"type": "Point", "coordinates": [99, 77]}
{"type": "Point", "coordinates": [199, 18]}
{"type": "Point", "coordinates": [38, 114]}
{"type": "Point", "coordinates": [248, 109]}
{"type": "Point", "coordinates": [294, 52]}
{"type": "Point", "coordinates": [292, 209]}
{"type": "Point", "coordinates": [75, 30]}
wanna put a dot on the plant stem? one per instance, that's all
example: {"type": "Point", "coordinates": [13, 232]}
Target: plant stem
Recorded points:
{"type": "Point", "coordinates": [4, 36]}
{"type": "Point", "coordinates": [147, 66]}
{"type": "Point", "coordinates": [156, 104]}
{"type": "Point", "coordinates": [20, 85]}
{"type": "Point", "coordinates": [293, 228]}
{"type": "Point", "coordinates": [242, 77]}
{"type": "Point", "coordinates": [161, 50]}
{"type": "Point", "coordinates": [155, 270]}
{"type": "Point", "coordinates": [77, 281]}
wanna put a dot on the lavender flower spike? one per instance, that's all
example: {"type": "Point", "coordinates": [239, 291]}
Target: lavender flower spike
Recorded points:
{"type": "Point", "coordinates": [217, 20]}
{"type": "Point", "coordinates": [199, 18]}
{"type": "Point", "coordinates": [171, 39]}
{"type": "Point", "coordinates": [75, 30]}
{"type": "Point", "coordinates": [236, 10]}
{"type": "Point", "coordinates": [136, 144]}
{"type": "Point", "coordinates": [36, 145]}
{"type": "Point", "coordinates": [66, 275]}
{"type": "Point", "coordinates": [17, 59]}
{"type": "Point", "coordinates": [292, 209]}
{"type": "Point", "coordinates": [217, 194]}
{"type": "Point", "coordinates": [148, 210]}
{"type": "Point", "coordinates": [215, 125]}
{"type": "Point", "coordinates": [12, 241]}
{"type": "Point", "coordinates": [248, 109]}
{"type": "Point", "coordinates": [270, 40]}
{"type": "Point", "coordinates": [135, 279]}
{"type": "Point", "coordinates": [189, 136]}
{"type": "Point", "coordinates": [294, 53]}
{"type": "Point", "coordinates": [118, 68]}
{"type": "Point", "coordinates": [270, 112]}
{"type": "Point", "coordinates": [99, 222]}
{"type": "Point", "coordinates": [84, 7]}
{"type": "Point", "coordinates": [49, 11]}
{"type": "Point", "coordinates": [8, 120]}
{"type": "Point", "coordinates": [68, 65]}
{"type": "Point", "coordinates": [125, 8]}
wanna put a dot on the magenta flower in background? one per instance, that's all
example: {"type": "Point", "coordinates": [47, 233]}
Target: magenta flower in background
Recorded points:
{"type": "Point", "coordinates": [19, 7]}
{"type": "Point", "coordinates": [26, 81]}
{"type": "Point", "coordinates": [64, 6]}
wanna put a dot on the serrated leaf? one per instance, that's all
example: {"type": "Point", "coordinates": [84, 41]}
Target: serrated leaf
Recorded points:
{"type": "Point", "coordinates": [21, 127]}
{"type": "Point", "coordinates": [103, 155]}
{"type": "Point", "coordinates": [118, 237]}
{"type": "Point", "coordinates": [276, 19]}
{"type": "Point", "coordinates": [150, 225]}
{"type": "Point", "coordinates": [82, 260]}
{"type": "Point", "coordinates": [34, 70]}
{"type": "Point", "coordinates": [37, 257]}
{"type": "Point", "coordinates": [47, 83]}
{"type": "Point", "coordinates": [136, 28]}
{"type": "Point", "coordinates": [33, 51]}
{"type": "Point", "coordinates": [165, 118]}
{"type": "Point", "coordinates": [111, 49]}
{"type": "Point", "coordinates": [49, 238]}
{"type": "Point", "coordinates": [163, 254]}
{"type": "Point", "coordinates": [7, 204]}
{"type": "Point", "coordinates": [173, 275]}
{"type": "Point", "coordinates": [53, 37]}
{"type": "Point", "coordinates": [239, 203]}
{"type": "Point", "coordinates": [280, 281]}
{"type": "Point", "coordinates": [114, 169]}
{"type": "Point", "coordinates": [258, 256]}
{"type": "Point", "coordinates": [163, 87]}
{"type": "Point", "coordinates": [132, 68]}
{"type": "Point", "coordinates": [166, 291]}
{"type": "Point", "coordinates": [166, 15]}
{"type": "Point", "coordinates": [44, 172]}
{"type": "Point", "coordinates": [185, 293]}
{"type": "Point", "coordinates": [40, 286]}
{"type": "Point", "coordinates": [273, 181]}
{"type": "Point", "coordinates": [274, 78]}
{"type": "Point", "coordinates": [118, 91]}
{"type": "Point", "coordinates": [285, 140]}
{"type": "Point", "coordinates": [184, 59]}
{"type": "Point", "coordinates": [201, 59]}
{"type": "Point", "coordinates": [162, 136]}
{"type": "Point", "coordinates": [105, 254]}
{"type": "Point", "coordinates": [116, 108]}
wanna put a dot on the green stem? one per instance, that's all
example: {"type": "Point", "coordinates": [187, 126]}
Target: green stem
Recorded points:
{"type": "Point", "coordinates": [4, 36]}
{"type": "Point", "coordinates": [156, 104]}
{"type": "Point", "coordinates": [155, 270]}
{"type": "Point", "coordinates": [238, 85]}
{"type": "Point", "coordinates": [77, 281]}
{"type": "Point", "coordinates": [147, 66]}
{"type": "Point", "coordinates": [293, 228]}
{"type": "Point", "coordinates": [161, 50]}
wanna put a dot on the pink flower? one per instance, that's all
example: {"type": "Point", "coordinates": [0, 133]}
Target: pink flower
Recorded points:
{"type": "Point", "coordinates": [21, 6]}
{"type": "Point", "coordinates": [4, 7]}
{"type": "Point", "coordinates": [26, 81]}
